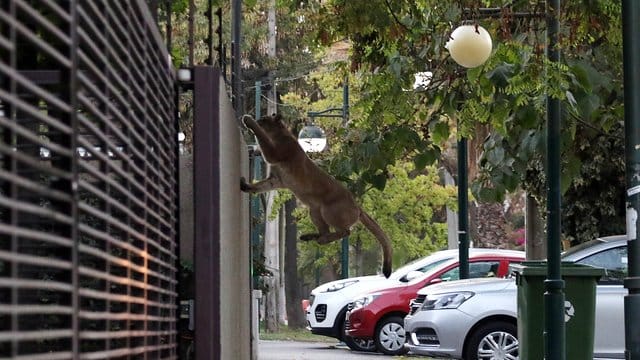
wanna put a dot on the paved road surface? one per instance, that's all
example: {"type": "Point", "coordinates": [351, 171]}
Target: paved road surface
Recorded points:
{"type": "Point", "coordinates": [299, 350]}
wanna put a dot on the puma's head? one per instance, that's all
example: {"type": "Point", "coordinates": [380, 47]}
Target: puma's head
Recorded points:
{"type": "Point", "coordinates": [273, 125]}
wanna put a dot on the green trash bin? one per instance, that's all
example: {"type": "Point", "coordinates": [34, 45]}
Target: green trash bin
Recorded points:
{"type": "Point", "coordinates": [580, 305]}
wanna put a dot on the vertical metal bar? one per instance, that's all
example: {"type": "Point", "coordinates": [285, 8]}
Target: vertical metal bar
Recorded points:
{"type": "Point", "coordinates": [207, 221]}
{"type": "Point", "coordinates": [73, 118]}
{"type": "Point", "coordinates": [344, 263]}
{"type": "Point", "coordinates": [258, 99]}
{"type": "Point", "coordinates": [192, 15]}
{"type": "Point", "coordinates": [209, 14]}
{"type": "Point", "coordinates": [255, 199]}
{"type": "Point", "coordinates": [554, 334]}
{"type": "Point", "coordinates": [345, 102]}
{"type": "Point", "coordinates": [221, 48]}
{"type": "Point", "coordinates": [176, 224]}
{"type": "Point", "coordinates": [153, 8]}
{"type": "Point", "coordinates": [631, 63]}
{"type": "Point", "coordinates": [345, 119]}
{"type": "Point", "coordinates": [169, 26]}
{"type": "Point", "coordinates": [236, 72]}
{"type": "Point", "coordinates": [463, 207]}
{"type": "Point", "coordinates": [11, 190]}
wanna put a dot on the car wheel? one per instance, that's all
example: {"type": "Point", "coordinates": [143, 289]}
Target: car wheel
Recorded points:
{"type": "Point", "coordinates": [358, 344]}
{"type": "Point", "coordinates": [390, 336]}
{"type": "Point", "coordinates": [497, 340]}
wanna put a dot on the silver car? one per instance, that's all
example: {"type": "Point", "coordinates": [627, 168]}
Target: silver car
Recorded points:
{"type": "Point", "coordinates": [477, 318]}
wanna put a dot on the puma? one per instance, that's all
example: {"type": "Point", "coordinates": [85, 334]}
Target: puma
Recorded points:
{"type": "Point", "coordinates": [331, 205]}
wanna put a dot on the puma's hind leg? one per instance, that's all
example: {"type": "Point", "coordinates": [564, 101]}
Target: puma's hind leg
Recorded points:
{"type": "Point", "coordinates": [340, 216]}
{"type": "Point", "coordinates": [318, 221]}
{"type": "Point", "coordinates": [333, 236]}
{"type": "Point", "coordinates": [324, 235]}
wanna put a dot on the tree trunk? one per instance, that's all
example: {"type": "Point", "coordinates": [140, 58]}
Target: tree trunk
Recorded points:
{"type": "Point", "coordinates": [282, 297]}
{"type": "Point", "coordinates": [272, 258]}
{"type": "Point", "coordinates": [293, 292]}
{"type": "Point", "coordinates": [489, 223]}
{"type": "Point", "coordinates": [452, 216]}
{"type": "Point", "coordinates": [535, 244]}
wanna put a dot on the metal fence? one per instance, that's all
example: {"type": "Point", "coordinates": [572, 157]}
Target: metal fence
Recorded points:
{"type": "Point", "coordinates": [88, 186]}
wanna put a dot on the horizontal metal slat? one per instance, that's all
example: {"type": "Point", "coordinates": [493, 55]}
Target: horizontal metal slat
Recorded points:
{"type": "Point", "coordinates": [18, 309]}
{"type": "Point", "coordinates": [35, 335]}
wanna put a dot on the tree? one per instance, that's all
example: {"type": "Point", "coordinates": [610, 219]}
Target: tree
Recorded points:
{"type": "Point", "coordinates": [392, 40]}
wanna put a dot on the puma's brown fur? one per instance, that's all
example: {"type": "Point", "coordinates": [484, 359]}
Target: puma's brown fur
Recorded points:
{"type": "Point", "coordinates": [331, 205]}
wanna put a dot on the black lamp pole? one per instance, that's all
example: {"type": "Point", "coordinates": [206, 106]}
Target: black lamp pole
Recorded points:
{"type": "Point", "coordinates": [631, 63]}
{"type": "Point", "coordinates": [554, 329]}
{"type": "Point", "coordinates": [463, 209]}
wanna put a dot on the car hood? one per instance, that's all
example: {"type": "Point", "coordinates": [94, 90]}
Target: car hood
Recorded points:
{"type": "Point", "coordinates": [338, 284]}
{"type": "Point", "coordinates": [474, 285]}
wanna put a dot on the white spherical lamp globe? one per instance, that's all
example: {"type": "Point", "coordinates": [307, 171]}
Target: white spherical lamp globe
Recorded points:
{"type": "Point", "coordinates": [312, 139]}
{"type": "Point", "coordinates": [470, 45]}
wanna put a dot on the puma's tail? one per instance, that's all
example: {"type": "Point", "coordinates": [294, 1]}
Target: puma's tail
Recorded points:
{"type": "Point", "coordinates": [376, 230]}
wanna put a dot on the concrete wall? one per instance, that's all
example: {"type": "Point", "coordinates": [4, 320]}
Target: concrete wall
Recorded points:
{"type": "Point", "coordinates": [221, 225]}
{"type": "Point", "coordinates": [235, 277]}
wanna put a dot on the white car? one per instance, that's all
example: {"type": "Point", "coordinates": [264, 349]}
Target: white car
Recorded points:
{"type": "Point", "coordinates": [328, 302]}
{"type": "Point", "coordinates": [477, 318]}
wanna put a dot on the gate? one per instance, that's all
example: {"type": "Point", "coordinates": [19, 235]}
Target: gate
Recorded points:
{"type": "Point", "coordinates": [88, 182]}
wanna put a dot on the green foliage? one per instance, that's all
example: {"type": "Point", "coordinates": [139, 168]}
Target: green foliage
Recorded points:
{"type": "Point", "coordinates": [392, 40]}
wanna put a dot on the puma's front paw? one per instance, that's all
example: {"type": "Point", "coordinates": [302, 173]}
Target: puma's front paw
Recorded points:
{"type": "Point", "coordinates": [244, 186]}
{"type": "Point", "coordinates": [309, 237]}
{"type": "Point", "coordinates": [249, 122]}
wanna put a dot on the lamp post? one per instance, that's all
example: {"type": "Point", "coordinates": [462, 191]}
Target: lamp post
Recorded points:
{"type": "Point", "coordinates": [469, 46]}
{"type": "Point", "coordinates": [463, 50]}
{"type": "Point", "coordinates": [313, 138]}
{"type": "Point", "coordinates": [631, 62]}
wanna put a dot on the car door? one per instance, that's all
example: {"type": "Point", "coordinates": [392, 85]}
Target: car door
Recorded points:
{"type": "Point", "coordinates": [610, 293]}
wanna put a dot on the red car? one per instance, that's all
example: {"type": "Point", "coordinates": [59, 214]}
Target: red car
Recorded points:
{"type": "Point", "coordinates": [376, 319]}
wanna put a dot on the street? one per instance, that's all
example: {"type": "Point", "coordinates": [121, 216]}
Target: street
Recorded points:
{"type": "Point", "coordinates": [298, 350]}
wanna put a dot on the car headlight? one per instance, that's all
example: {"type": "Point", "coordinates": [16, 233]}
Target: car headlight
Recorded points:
{"type": "Point", "coordinates": [364, 301]}
{"type": "Point", "coordinates": [446, 301]}
{"type": "Point", "coordinates": [341, 285]}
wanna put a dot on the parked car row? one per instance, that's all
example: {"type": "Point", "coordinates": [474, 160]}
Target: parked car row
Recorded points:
{"type": "Point", "coordinates": [423, 307]}
{"type": "Point", "coordinates": [477, 319]}
{"type": "Point", "coordinates": [378, 316]}
{"type": "Point", "coordinates": [328, 304]}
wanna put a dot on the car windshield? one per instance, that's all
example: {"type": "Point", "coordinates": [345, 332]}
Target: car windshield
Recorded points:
{"type": "Point", "coordinates": [429, 265]}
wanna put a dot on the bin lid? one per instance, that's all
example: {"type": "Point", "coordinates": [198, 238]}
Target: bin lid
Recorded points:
{"type": "Point", "coordinates": [567, 268]}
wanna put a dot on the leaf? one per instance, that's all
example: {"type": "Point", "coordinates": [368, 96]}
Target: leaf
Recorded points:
{"type": "Point", "coordinates": [528, 117]}
{"type": "Point", "coordinates": [440, 132]}
{"type": "Point", "coordinates": [487, 194]}
{"type": "Point", "coordinates": [572, 100]}
{"type": "Point", "coordinates": [378, 180]}
{"type": "Point", "coordinates": [473, 74]}
{"type": "Point", "coordinates": [500, 74]}
{"type": "Point", "coordinates": [587, 105]}
{"type": "Point", "coordinates": [496, 155]}
{"type": "Point", "coordinates": [426, 158]}
{"type": "Point", "coordinates": [407, 137]}
{"type": "Point", "coordinates": [572, 169]}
